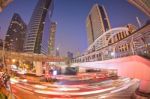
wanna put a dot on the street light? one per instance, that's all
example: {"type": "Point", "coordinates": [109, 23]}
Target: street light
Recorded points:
{"type": "Point", "coordinates": [13, 60]}
{"type": "Point", "coordinates": [113, 54]}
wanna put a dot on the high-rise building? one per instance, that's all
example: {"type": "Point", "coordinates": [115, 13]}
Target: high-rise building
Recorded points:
{"type": "Point", "coordinates": [97, 23]}
{"type": "Point", "coordinates": [143, 5]}
{"type": "Point", "coordinates": [57, 52]}
{"type": "Point", "coordinates": [4, 4]}
{"type": "Point", "coordinates": [15, 36]}
{"type": "Point", "coordinates": [70, 55]}
{"type": "Point", "coordinates": [37, 39]}
{"type": "Point", "coordinates": [52, 38]}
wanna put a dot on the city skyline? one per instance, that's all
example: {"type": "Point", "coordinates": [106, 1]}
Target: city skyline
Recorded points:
{"type": "Point", "coordinates": [73, 37]}
{"type": "Point", "coordinates": [81, 49]}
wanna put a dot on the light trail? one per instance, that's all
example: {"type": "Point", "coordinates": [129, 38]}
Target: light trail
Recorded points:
{"type": "Point", "coordinates": [74, 93]}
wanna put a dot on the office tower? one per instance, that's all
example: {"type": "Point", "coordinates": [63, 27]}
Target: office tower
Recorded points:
{"type": "Point", "coordinates": [57, 52]}
{"type": "Point", "coordinates": [15, 37]}
{"type": "Point", "coordinates": [37, 38]}
{"type": "Point", "coordinates": [4, 4]}
{"type": "Point", "coordinates": [143, 5]}
{"type": "Point", "coordinates": [52, 38]}
{"type": "Point", "coordinates": [97, 23]}
{"type": "Point", "coordinates": [70, 55]}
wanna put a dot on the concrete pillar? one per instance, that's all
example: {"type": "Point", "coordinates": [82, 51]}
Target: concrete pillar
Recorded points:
{"type": "Point", "coordinates": [38, 68]}
{"type": "Point", "coordinates": [102, 56]}
{"type": "Point", "coordinates": [143, 92]}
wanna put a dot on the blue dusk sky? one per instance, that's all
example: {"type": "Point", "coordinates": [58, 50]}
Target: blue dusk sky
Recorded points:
{"type": "Point", "coordinates": [70, 16]}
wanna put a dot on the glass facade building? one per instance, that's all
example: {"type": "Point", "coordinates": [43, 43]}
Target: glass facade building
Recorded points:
{"type": "Point", "coordinates": [52, 38]}
{"type": "Point", "coordinates": [97, 23]}
{"type": "Point", "coordinates": [16, 32]}
{"type": "Point", "coordinates": [37, 38]}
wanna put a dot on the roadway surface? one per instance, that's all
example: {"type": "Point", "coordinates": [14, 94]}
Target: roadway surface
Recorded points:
{"type": "Point", "coordinates": [75, 87]}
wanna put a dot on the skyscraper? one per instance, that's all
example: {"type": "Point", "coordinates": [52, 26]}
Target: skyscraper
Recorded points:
{"type": "Point", "coordinates": [97, 23]}
{"type": "Point", "coordinates": [37, 38]}
{"type": "Point", "coordinates": [15, 36]}
{"type": "Point", "coordinates": [57, 52]}
{"type": "Point", "coordinates": [52, 38]}
{"type": "Point", "coordinates": [143, 5]}
{"type": "Point", "coordinates": [70, 55]}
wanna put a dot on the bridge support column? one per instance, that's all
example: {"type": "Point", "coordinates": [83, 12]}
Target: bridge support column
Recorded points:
{"type": "Point", "coordinates": [143, 92]}
{"type": "Point", "coordinates": [38, 68]}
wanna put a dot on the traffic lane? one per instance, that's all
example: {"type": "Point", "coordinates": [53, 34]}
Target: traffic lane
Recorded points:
{"type": "Point", "coordinates": [24, 94]}
{"type": "Point", "coordinates": [60, 93]}
{"type": "Point", "coordinates": [48, 93]}
{"type": "Point", "coordinates": [87, 87]}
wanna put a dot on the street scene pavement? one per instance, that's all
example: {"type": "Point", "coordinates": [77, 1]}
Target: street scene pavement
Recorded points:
{"type": "Point", "coordinates": [73, 87]}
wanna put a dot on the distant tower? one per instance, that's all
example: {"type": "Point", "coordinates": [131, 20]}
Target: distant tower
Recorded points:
{"type": "Point", "coordinates": [70, 55]}
{"type": "Point", "coordinates": [143, 5]}
{"type": "Point", "coordinates": [97, 23]}
{"type": "Point", "coordinates": [52, 38]}
{"type": "Point", "coordinates": [139, 22]}
{"type": "Point", "coordinates": [37, 39]}
{"type": "Point", "coordinates": [15, 36]}
{"type": "Point", "coordinates": [78, 53]}
{"type": "Point", "coordinates": [57, 52]}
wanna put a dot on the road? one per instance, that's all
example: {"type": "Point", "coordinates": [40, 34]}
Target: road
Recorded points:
{"type": "Point", "coordinates": [71, 87]}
